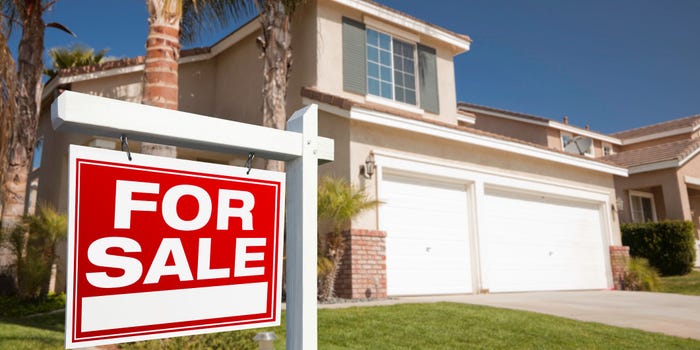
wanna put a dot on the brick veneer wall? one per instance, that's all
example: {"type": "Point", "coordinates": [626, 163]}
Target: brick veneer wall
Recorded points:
{"type": "Point", "coordinates": [619, 256]}
{"type": "Point", "coordinates": [362, 272]}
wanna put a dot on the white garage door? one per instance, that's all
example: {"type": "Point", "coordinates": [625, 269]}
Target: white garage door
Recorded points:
{"type": "Point", "coordinates": [540, 243]}
{"type": "Point", "coordinates": [427, 244]}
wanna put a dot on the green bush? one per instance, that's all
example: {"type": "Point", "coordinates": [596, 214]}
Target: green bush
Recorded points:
{"type": "Point", "coordinates": [640, 276]}
{"type": "Point", "coordinates": [33, 243]}
{"type": "Point", "coordinates": [669, 246]}
{"type": "Point", "coordinates": [13, 306]}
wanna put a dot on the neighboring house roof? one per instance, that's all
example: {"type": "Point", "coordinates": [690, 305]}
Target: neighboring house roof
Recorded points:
{"type": "Point", "coordinates": [537, 120]}
{"type": "Point", "coordinates": [663, 156]}
{"type": "Point", "coordinates": [411, 121]}
{"type": "Point", "coordinates": [659, 130]}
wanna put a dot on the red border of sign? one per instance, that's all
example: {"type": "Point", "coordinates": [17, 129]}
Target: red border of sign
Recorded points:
{"type": "Point", "coordinates": [82, 155]}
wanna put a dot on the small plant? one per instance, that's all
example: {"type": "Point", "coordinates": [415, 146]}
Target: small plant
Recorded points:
{"type": "Point", "coordinates": [33, 242]}
{"type": "Point", "coordinates": [338, 203]}
{"type": "Point", "coordinates": [641, 276]}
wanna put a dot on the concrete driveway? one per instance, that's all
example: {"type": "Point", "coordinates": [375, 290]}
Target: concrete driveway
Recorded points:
{"type": "Point", "coordinates": [671, 314]}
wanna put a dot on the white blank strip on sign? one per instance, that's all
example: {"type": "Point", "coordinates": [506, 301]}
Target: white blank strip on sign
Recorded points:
{"type": "Point", "coordinates": [140, 309]}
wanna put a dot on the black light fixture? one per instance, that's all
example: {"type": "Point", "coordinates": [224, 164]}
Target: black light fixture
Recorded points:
{"type": "Point", "coordinates": [369, 168]}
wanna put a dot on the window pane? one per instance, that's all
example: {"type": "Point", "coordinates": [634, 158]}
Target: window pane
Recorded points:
{"type": "Point", "coordinates": [386, 90]}
{"type": "Point", "coordinates": [410, 97]}
{"type": "Point", "coordinates": [384, 41]}
{"type": "Point", "coordinates": [398, 78]}
{"type": "Point", "coordinates": [646, 209]}
{"type": "Point", "coordinates": [398, 94]}
{"type": "Point", "coordinates": [372, 54]}
{"type": "Point", "coordinates": [408, 65]}
{"type": "Point", "coordinates": [372, 37]}
{"type": "Point", "coordinates": [385, 58]}
{"type": "Point", "coordinates": [386, 74]}
{"type": "Point", "coordinates": [398, 62]}
{"type": "Point", "coordinates": [373, 86]}
{"type": "Point", "coordinates": [410, 81]}
{"type": "Point", "coordinates": [373, 70]}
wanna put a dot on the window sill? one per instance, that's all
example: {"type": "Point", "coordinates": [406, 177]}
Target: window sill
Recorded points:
{"type": "Point", "coordinates": [394, 104]}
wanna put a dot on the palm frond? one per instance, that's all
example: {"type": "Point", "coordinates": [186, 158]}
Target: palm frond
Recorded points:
{"type": "Point", "coordinates": [203, 16]}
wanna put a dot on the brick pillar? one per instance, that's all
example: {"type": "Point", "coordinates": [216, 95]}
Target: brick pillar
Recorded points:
{"type": "Point", "coordinates": [363, 270]}
{"type": "Point", "coordinates": [619, 256]}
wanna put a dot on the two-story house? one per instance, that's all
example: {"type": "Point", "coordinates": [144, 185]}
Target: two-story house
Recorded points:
{"type": "Point", "coordinates": [664, 176]}
{"type": "Point", "coordinates": [463, 210]}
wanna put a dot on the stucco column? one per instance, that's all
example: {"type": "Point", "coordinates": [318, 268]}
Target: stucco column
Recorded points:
{"type": "Point", "coordinates": [676, 200]}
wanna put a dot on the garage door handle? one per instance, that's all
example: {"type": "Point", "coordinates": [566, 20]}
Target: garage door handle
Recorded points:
{"type": "Point", "coordinates": [427, 249]}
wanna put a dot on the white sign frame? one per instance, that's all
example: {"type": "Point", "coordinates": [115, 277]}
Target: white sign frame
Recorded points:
{"type": "Point", "coordinates": [300, 146]}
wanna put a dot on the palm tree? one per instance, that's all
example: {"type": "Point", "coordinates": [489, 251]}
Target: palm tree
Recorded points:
{"type": "Point", "coordinates": [19, 152]}
{"type": "Point", "coordinates": [75, 55]}
{"type": "Point", "coordinates": [163, 48]}
{"type": "Point", "coordinates": [275, 43]}
{"type": "Point", "coordinates": [8, 105]}
{"type": "Point", "coordinates": [338, 203]}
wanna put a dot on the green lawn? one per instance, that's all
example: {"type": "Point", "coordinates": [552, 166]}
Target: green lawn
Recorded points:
{"type": "Point", "coordinates": [688, 284]}
{"type": "Point", "coordinates": [407, 326]}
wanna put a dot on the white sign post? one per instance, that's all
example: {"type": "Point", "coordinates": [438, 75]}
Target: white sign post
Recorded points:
{"type": "Point", "coordinates": [300, 146]}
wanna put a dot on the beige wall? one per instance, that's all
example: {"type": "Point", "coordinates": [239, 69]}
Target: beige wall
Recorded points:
{"type": "Point", "coordinates": [523, 131]}
{"type": "Point", "coordinates": [671, 202]}
{"type": "Point", "coordinates": [365, 138]}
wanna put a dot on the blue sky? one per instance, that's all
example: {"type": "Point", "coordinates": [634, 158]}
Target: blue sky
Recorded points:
{"type": "Point", "coordinates": [612, 64]}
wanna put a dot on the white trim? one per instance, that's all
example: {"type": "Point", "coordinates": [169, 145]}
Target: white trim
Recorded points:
{"type": "Point", "coordinates": [649, 195]}
{"type": "Point", "coordinates": [396, 18]}
{"type": "Point", "coordinates": [690, 180]}
{"type": "Point", "coordinates": [549, 123]}
{"type": "Point", "coordinates": [393, 31]}
{"type": "Point", "coordinates": [659, 135]}
{"type": "Point", "coordinates": [466, 119]}
{"type": "Point", "coordinates": [373, 117]}
{"type": "Point", "coordinates": [666, 164]}
{"type": "Point", "coordinates": [689, 157]}
{"type": "Point", "coordinates": [394, 104]}
{"type": "Point", "coordinates": [584, 132]}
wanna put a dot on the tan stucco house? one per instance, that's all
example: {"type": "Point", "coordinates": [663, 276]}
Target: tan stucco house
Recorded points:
{"type": "Point", "coordinates": [664, 174]}
{"type": "Point", "coordinates": [464, 210]}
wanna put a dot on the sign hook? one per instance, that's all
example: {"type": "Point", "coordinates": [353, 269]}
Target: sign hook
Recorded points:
{"type": "Point", "coordinates": [125, 146]}
{"type": "Point", "coordinates": [249, 162]}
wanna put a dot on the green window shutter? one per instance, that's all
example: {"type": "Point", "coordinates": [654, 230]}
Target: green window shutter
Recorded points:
{"type": "Point", "coordinates": [354, 57]}
{"type": "Point", "coordinates": [428, 82]}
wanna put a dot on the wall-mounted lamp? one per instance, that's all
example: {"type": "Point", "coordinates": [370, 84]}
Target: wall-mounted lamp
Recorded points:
{"type": "Point", "coordinates": [620, 204]}
{"type": "Point", "coordinates": [369, 168]}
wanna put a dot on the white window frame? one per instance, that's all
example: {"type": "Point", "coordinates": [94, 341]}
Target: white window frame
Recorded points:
{"type": "Point", "coordinates": [641, 194]}
{"type": "Point", "coordinates": [590, 152]}
{"type": "Point", "coordinates": [608, 146]}
{"type": "Point", "coordinates": [392, 102]}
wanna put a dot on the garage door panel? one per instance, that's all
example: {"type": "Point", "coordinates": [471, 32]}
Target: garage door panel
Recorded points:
{"type": "Point", "coordinates": [541, 243]}
{"type": "Point", "coordinates": [427, 244]}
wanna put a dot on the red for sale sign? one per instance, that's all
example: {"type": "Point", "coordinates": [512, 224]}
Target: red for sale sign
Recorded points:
{"type": "Point", "coordinates": [161, 247]}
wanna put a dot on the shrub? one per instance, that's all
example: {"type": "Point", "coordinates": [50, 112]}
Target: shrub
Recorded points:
{"type": "Point", "coordinates": [33, 242]}
{"type": "Point", "coordinates": [640, 276]}
{"type": "Point", "coordinates": [669, 246]}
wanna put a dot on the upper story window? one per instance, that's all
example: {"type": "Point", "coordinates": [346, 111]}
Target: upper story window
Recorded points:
{"type": "Point", "coordinates": [607, 149]}
{"type": "Point", "coordinates": [378, 64]}
{"type": "Point", "coordinates": [577, 144]}
{"type": "Point", "coordinates": [390, 67]}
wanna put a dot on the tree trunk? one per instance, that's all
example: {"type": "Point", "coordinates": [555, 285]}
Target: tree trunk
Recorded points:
{"type": "Point", "coordinates": [277, 55]}
{"type": "Point", "coordinates": [29, 89]}
{"type": "Point", "coordinates": [8, 110]}
{"type": "Point", "coordinates": [161, 68]}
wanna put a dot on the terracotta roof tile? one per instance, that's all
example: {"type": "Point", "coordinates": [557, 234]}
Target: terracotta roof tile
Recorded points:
{"type": "Point", "coordinates": [677, 150]}
{"type": "Point", "coordinates": [347, 104]}
{"type": "Point", "coordinates": [674, 124]}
